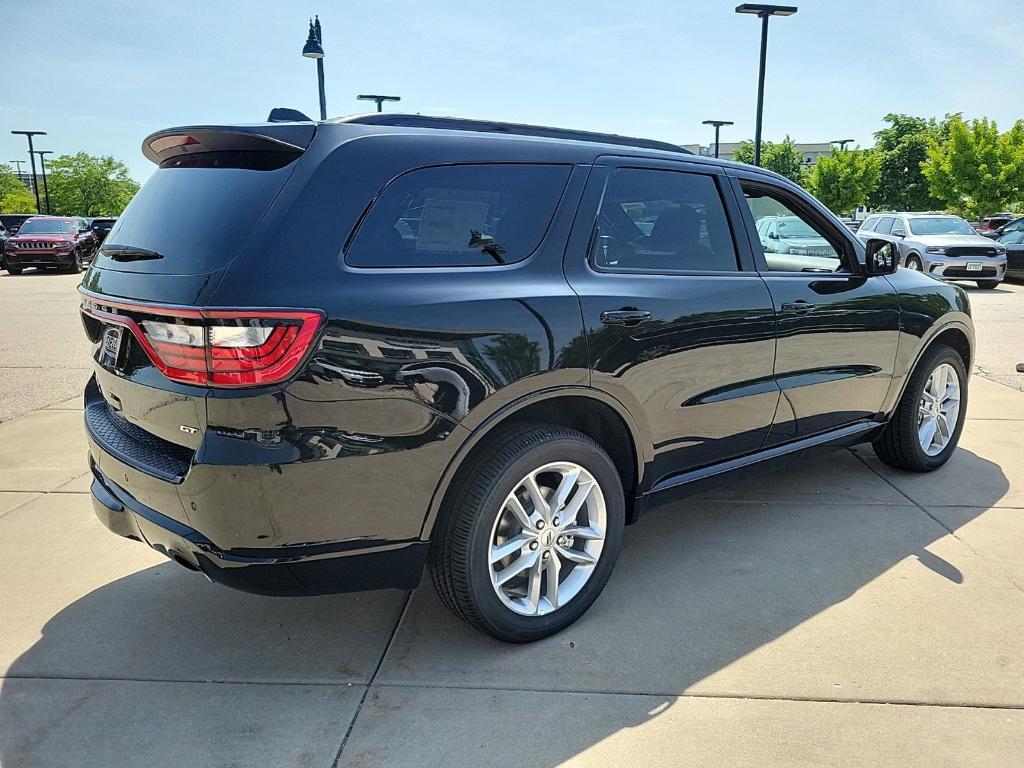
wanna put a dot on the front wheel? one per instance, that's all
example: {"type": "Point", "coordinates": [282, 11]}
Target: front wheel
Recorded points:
{"type": "Point", "coordinates": [913, 263]}
{"type": "Point", "coordinates": [76, 263]}
{"type": "Point", "coordinates": [529, 532]}
{"type": "Point", "coordinates": [14, 270]}
{"type": "Point", "coordinates": [988, 284]}
{"type": "Point", "coordinates": [925, 428]}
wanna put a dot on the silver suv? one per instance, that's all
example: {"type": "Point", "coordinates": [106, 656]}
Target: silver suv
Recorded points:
{"type": "Point", "coordinates": [944, 246]}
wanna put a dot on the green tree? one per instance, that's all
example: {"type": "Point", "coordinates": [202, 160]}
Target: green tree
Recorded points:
{"type": "Point", "coordinates": [902, 147]}
{"type": "Point", "coordinates": [975, 169]}
{"type": "Point", "coordinates": [86, 185]}
{"type": "Point", "coordinates": [14, 196]}
{"type": "Point", "coordinates": [782, 157]}
{"type": "Point", "coordinates": [844, 181]}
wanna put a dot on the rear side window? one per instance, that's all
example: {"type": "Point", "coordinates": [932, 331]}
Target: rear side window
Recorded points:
{"type": "Point", "coordinates": [459, 216]}
{"type": "Point", "coordinates": [868, 225]}
{"type": "Point", "coordinates": [662, 221]}
{"type": "Point", "coordinates": [884, 225]}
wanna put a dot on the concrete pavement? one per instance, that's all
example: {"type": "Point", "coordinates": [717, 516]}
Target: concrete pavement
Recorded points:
{"type": "Point", "coordinates": [835, 613]}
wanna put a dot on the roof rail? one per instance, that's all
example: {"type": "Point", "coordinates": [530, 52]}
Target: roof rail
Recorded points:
{"type": "Point", "coordinates": [401, 120]}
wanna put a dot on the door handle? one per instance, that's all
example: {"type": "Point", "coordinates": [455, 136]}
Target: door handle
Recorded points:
{"type": "Point", "coordinates": [625, 316]}
{"type": "Point", "coordinates": [799, 307]}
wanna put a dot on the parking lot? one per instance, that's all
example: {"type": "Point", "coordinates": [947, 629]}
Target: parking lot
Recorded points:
{"type": "Point", "coordinates": [837, 613]}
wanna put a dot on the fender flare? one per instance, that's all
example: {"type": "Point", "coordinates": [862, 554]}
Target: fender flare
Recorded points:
{"type": "Point", "coordinates": [644, 450]}
{"type": "Point", "coordinates": [926, 343]}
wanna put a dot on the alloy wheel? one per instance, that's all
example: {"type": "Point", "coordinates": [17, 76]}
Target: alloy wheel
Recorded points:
{"type": "Point", "coordinates": [547, 538]}
{"type": "Point", "coordinates": [938, 409]}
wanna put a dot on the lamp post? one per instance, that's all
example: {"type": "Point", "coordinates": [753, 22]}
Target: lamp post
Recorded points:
{"type": "Point", "coordinates": [17, 163]}
{"type": "Point", "coordinates": [314, 49]}
{"type": "Point", "coordinates": [764, 12]}
{"type": "Point", "coordinates": [842, 143]}
{"type": "Point", "coordinates": [377, 98]}
{"type": "Point", "coordinates": [32, 160]}
{"type": "Point", "coordinates": [46, 189]}
{"type": "Point", "coordinates": [718, 124]}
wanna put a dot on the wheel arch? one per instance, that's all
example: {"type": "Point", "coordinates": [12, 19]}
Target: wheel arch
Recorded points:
{"type": "Point", "coordinates": [952, 334]}
{"type": "Point", "coordinates": [588, 410]}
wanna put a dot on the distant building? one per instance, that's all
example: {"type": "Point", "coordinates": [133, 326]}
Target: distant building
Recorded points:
{"type": "Point", "coordinates": [727, 149]}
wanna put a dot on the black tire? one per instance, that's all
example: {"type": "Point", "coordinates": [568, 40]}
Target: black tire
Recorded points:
{"type": "Point", "coordinates": [914, 262]}
{"type": "Point", "coordinates": [14, 270]}
{"type": "Point", "coordinates": [76, 263]}
{"type": "Point", "coordinates": [458, 559]}
{"type": "Point", "coordinates": [988, 284]}
{"type": "Point", "coordinates": [898, 445]}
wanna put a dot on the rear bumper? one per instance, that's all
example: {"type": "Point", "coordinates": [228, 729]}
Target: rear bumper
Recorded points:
{"type": "Point", "coordinates": [298, 570]}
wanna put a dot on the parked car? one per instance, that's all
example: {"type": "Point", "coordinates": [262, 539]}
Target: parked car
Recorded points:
{"type": "Point", "coordinates": [393, 340]}
{"type": "Point", "coordinates": [51, 242]}
{"type": "Point", "coordinates": [3, 244]}
{"type": "Point", "coordinates": [1013, 241]}
{"type": "Point", "coordinates": [101, 226]}
{"type": "Point", "coordinates": [851, 224]}
{"type": "Point", "coordinates": [13, 221]}
{"type": "Point", "coordinates": [941, 245]}
{"type": "Point", "coordinates": [995, 222]}
{"type": "Point", "coordinates": [1010, 226]}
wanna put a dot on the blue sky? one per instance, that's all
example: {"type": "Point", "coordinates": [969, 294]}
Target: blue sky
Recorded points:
{"type": "Point", "coordinates": [101, 79]}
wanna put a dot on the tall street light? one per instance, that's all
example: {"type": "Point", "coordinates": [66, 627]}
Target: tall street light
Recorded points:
{"type": "Point", "coordinates": [46, 189]}
{"type": "Point", "coordinates": [17, 163]}
{"type": "Point", "coordinates": [314, 49]}
{"type": "Point", "coordinates": [32, 160]}
{"type": "Point", "coordinates": [379, 99]}
{"type": "Point", "coordinates": [842, 143]}
{"type": "Point", "coordinates": [718, 125]}
{"type": "Point", "coordinates": [765, 12]}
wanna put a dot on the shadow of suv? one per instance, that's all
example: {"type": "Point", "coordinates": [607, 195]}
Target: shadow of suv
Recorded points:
{"type": "Point", "coordinates": [394, 340]}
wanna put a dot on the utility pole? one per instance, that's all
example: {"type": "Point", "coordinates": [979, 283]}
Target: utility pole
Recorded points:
{"type": "Point", "coordinates": [46, 189]}
{"type": "Point", "coordinates": [32, 160]}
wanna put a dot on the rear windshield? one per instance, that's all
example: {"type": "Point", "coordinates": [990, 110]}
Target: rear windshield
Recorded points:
{"type": "Point", "coordinates": [197, 218]}
{"type": "Point", "coordinates": [46, 228]}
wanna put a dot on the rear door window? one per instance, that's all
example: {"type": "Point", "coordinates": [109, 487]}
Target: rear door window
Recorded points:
{"type": "Point", "coordinates": [884, 225]}
{"type": "Point", "coordinates": [654, 220]}
{"type": "Point", "coordinates": [459, 216]}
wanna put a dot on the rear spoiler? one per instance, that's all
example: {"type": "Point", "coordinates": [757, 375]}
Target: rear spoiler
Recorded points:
{"type": "Point", "coordinates": [276, 137]}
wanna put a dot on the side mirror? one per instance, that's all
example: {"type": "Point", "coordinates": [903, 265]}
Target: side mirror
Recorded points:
{"type": "Point", "coordinates": [882, 257]}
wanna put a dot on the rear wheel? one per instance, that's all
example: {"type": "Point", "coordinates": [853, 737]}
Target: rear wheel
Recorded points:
{"type": "Point", "coordinates": [988, 284]}
{"type": "Point", "coordinates": [925, 427]}
{"type": "Point", "coordinates": [14, 270]}
{"type": "Point", "coordinates": [913, 262]}
{"type": "Point", "coordinates": [529, 532]}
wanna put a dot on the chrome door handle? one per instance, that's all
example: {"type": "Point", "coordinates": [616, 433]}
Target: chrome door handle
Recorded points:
{"type": "Point", "coordinates": [797, 307]}
{"type": "Point", "coordinates": [625, 317]}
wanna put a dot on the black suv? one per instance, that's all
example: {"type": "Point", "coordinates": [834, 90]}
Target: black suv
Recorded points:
{"type": "Point", "coordinates": [393, 340]}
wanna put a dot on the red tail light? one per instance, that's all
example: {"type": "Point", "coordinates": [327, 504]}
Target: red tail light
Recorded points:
{"type": "Point", "coordinates": [215, 347]}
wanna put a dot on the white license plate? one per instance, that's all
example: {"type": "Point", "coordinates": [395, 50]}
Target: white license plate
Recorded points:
{"type": "Point", "coordinates": [111, 346]}
{"type": "Point", "coordinates": [974, 266]}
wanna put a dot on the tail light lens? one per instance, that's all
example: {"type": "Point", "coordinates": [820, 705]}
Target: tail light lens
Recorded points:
{"type": "Point", "coordinates": [216, 347]}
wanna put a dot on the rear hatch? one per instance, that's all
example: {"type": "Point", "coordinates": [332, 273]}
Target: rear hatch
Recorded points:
{"type": "Point", "coordinates": [157, 345]}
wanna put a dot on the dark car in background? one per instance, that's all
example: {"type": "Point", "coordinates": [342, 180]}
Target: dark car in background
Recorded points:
{"type": "Point", "coordinates": [13, 221]}
{"type": "Point", "coordinates": [990, 225]}
{"type": "Point", "coordinates": [1013, 241]}
{"type": "Point", "coordinates": [3, 244]}
{"type": "Point", "coordinates": [1012, 225]}
{"type": "Point", "coordinates": [64, 243]}
{"type": "Point", "coordinates": [101, 226]}
{"type": "Point", "coordinates": [393, 340]}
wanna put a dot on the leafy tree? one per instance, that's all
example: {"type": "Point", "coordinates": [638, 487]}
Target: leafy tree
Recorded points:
{"type": "Point", "coordinates": [15, 197]}
{"type": "Point", "coordinates": [783, 158]}
{"type": "Point", "coordinates": [975, 169]}
{"type": "Point", "coordinates": [845, 180]}
{"type": "Point", "coordinates": [902, 147]}
{"type": "Point", "coordinates": [86, 185]}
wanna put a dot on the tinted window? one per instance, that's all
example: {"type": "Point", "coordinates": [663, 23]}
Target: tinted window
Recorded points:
{"type": "Point", "coordinates": [1014, 226]}
{"type": "Point", "coordinates": [652, 220]}
{"type": "Point", "coordinates": [460, 216]}
{"type": "Point", "coordinates": [884, 225]}
{"type": "Point", "coordinates": [198, 218]}
{"type": "Point", "coordinates": [791, 241]}
{"type": "Point", "coordinates": [1012, 238]}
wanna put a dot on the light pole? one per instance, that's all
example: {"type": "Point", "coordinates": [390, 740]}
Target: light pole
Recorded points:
{"type": "Point", "coordinates": [314, 49]}
{"type": "Point", "coordinates": [17, 163]}
{"type": "Point", "coordinates": [379, 99]}
{"type": "Point", "coordinates": [718, 124]}
{"type": "Point", "coordinates": [32, 160]}
{"type": "Point", "coordinates": [842, 143]}
{"type": "Point", "coordinates": [46, 189]}
{"type": "Point", "coordinates": [765, 12]}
